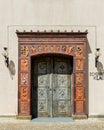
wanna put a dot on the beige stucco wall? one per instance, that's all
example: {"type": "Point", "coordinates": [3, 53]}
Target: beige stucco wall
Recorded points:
{"type": "Point", "coordinates": [47, 15]}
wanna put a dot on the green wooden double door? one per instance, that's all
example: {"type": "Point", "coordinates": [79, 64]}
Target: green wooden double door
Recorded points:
{"type": "Point", "coordinates": [51, 87]}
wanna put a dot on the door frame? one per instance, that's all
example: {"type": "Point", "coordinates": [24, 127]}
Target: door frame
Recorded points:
{"type": "Point", "coordinates": [44, 43]}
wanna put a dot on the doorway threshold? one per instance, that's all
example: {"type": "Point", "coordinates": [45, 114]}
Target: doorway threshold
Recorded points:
{"type": "Point", "coordinates": [58, 119]}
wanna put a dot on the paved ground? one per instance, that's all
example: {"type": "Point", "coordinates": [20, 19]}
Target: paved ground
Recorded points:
{"type": "Point", "coordinates": [88, 124]}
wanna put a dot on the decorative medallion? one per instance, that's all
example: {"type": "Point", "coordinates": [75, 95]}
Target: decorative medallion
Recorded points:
{"type": "Point", "coordinates": [62, 80]}
{"type": "Point", "coordinates": [62, 93]}
{"type": "Point", "coordinates": [62, 106]}
{"type": "Point", "coordinates": [43, 80]}
{"type": "Point", "coordinates": [42, 106]}
{"type": "Point", "coordinates": [42, 93]}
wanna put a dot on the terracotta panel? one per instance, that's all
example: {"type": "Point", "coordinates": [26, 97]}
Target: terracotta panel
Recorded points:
{"type": "Point", "coordinates": [24, 107]}
{"type": "Point", "coordinates": [24, 51]}
{"type": "Point", "coordinates": [79, 107]}
{"type": "Point", "coordinates": [24, 79]}
{"type": "Point", "coordinates": [79, 93]}
{"type": "Point", "coordinates": [79, 64]}
{"type": "Point", "coordinates": [24, 65]}
{"type": "Point", "coordinates": [79, 52]}
{"type": "Point", "coordinates": [24, 93]}
{"type": "Point", "coordinates": [79, 78]}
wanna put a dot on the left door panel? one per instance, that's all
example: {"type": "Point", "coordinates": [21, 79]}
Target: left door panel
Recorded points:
{"type": "Point", "coordinates": [41, 100]}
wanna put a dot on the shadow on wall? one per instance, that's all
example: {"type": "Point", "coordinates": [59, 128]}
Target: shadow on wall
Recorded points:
{"type": "Point", "coordinates": [12, 69]}
{"type": "Point", "coordinates": [89, 51]}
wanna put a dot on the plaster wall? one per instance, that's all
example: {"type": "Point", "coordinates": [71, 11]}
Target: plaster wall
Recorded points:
{"type": "Point", "coordinates": [47, 15]}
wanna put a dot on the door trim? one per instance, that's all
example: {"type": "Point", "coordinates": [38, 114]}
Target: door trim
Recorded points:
{"type": "Point", "coordinates": [33, 44]}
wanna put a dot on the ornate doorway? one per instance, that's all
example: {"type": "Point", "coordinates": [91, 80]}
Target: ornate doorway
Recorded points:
{"type": "Point", "coordinates": [51, 86]}
{"type": "Point", "coordinates": [35, 44]}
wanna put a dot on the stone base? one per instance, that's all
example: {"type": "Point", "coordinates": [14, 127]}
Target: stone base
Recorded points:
{"type": "Point", "coordinates": [24, 117]}
{"type": "Point", "coordinates": [79, 116]}
{"type": "Point", "coordinates": [96, 116]}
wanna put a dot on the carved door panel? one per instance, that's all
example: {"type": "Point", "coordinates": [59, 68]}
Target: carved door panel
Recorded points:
{"type": "Point", "coordinates": [52, 87]}
{"type": "Point", "coordinates": [61, 88]}
{"type": "Point", "coordinates": [42, 87]}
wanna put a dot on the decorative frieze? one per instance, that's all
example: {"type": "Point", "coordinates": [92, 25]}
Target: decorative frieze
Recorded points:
{"type": "Point", "coordinates": [36, 49]}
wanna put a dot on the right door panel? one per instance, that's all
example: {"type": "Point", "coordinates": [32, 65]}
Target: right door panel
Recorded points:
{"type": "Point", "coordinates": [61, 88]}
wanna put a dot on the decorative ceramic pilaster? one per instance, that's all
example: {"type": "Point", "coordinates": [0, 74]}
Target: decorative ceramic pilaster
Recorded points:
{"type": "Point", "coordinates": [35, 43]}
